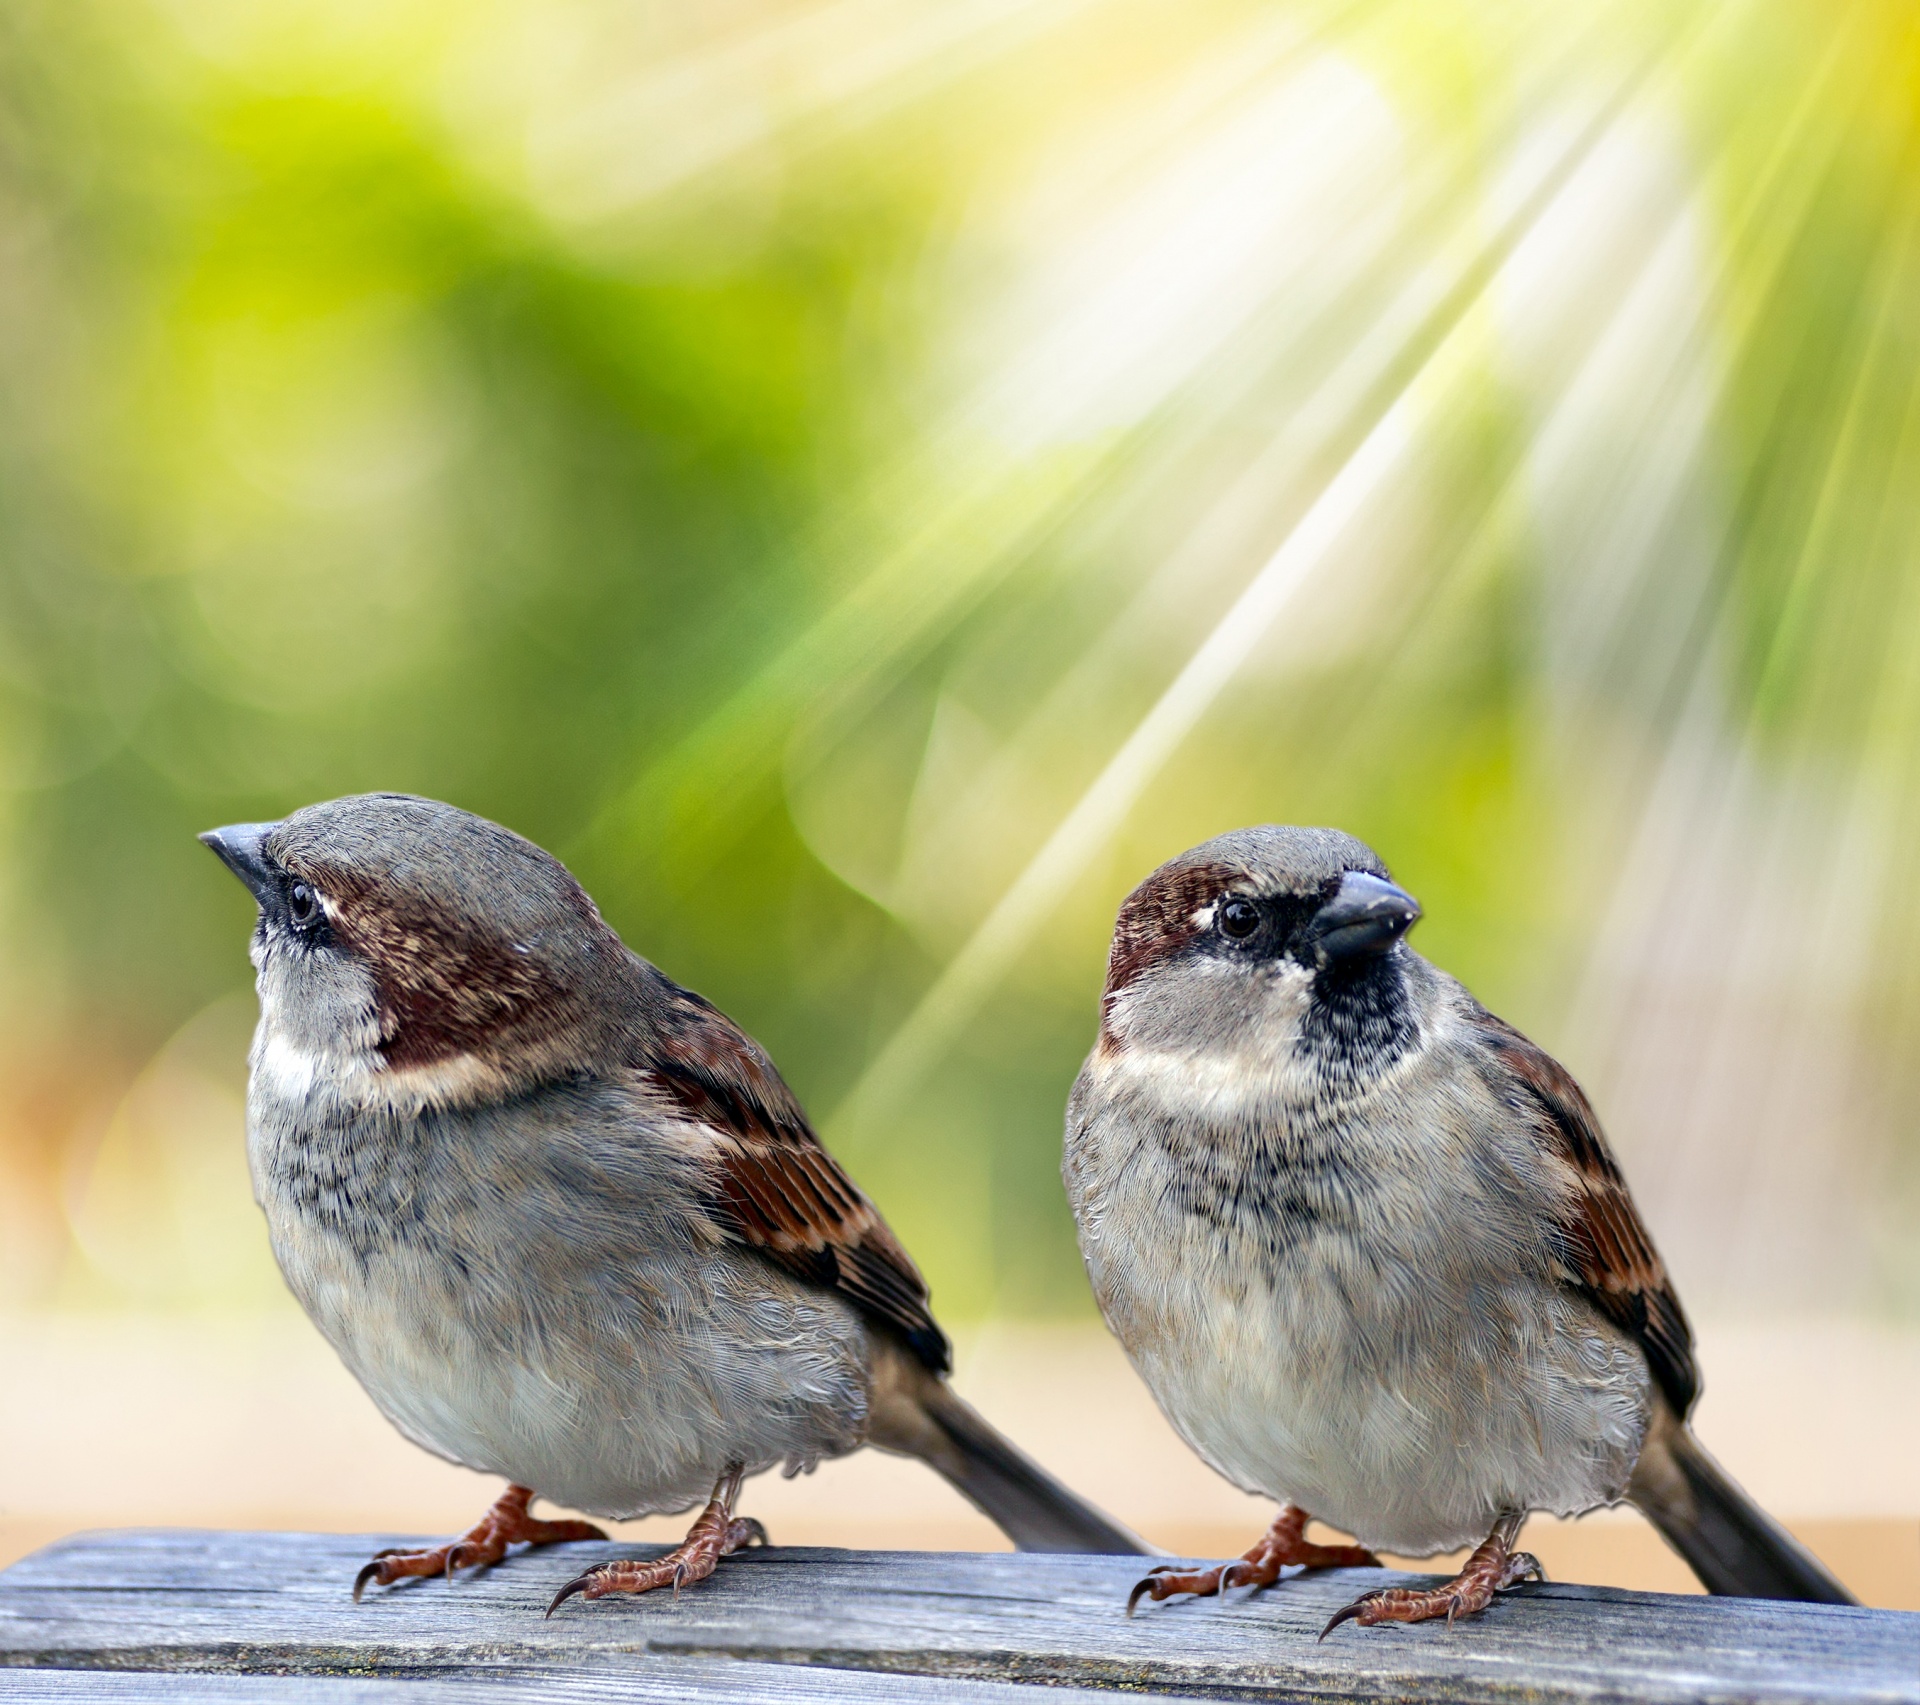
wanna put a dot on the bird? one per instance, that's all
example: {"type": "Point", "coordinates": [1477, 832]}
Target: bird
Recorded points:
{"type": "Point", "coordinates": [1368, 1246]}
{"type": "Point", "coordinates": [561, 1217]}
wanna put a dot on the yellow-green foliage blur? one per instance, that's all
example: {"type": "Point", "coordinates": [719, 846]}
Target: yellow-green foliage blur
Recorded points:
{"type": "Point", "coordinates": [866, 481]}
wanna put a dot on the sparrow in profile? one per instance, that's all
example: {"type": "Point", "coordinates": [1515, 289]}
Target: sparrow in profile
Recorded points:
{"type": "Point", "coordinates": [561, 1217]}
{"type": "Point", "coordinates": [1368, 1248]}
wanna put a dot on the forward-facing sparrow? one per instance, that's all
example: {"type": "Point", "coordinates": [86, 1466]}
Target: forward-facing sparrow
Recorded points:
{"type": "Point", "coordinates": [1368, 1247]}
{"type": "Point", "coordinates": [561, 1217]}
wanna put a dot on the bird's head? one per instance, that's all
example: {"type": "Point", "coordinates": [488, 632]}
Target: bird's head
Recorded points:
{"type": "Point", "coordinates": [415, 950]}
{"type": "Point", "coordinates": [1237, 941]}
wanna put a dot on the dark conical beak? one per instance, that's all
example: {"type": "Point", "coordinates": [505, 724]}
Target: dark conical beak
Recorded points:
{"type": "Point", "coordinates": [242, 849]}
{"type": "Point", "coordinates": [1367, 916]}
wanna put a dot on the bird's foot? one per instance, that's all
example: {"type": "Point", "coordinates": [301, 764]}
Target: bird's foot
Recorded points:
{"type": "Point", "coordinates": [716, 1533]}
{"type": "Point", "coordinates": [1283, 1544]}
{"type": "Point", "coordinates": [480, 1547]}
{"type": "Point", "coordinates": [1493, 1567]}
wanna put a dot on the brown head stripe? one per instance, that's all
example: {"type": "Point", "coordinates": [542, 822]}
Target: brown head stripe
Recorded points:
{"type": "Point", "coordinates": [1157, 919]}
{"type": "Point", "coordinates": [445, 987]}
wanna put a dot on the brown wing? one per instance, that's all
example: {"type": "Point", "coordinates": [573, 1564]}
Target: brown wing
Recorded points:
{"type": "Point", "coordinates": [777, 1189]}
{"type": "Point", "coordinates": [1607, 1254]}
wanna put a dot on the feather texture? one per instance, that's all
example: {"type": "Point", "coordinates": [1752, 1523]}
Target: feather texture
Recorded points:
{"type": "Point", "coordinates": [776, 1188]}
{"type": "Point", "coordinates": [1606, 1252]}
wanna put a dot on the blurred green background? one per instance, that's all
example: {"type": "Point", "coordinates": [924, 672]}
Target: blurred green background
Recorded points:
{"type": "Point", "coordinates": [865, 482]}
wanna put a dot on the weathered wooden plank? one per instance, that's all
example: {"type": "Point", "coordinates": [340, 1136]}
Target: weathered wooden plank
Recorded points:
{"type": "Point", "coordinates": [182, 1600]}
{"type": "Point", "coordinates": [640, 1679]}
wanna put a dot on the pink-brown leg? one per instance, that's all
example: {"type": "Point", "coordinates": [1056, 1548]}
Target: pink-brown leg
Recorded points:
{"type": "Point", "coordinates": [1493, 1567]}
{"type": "Point", "coordinates": [716, 1533]}
{"type": "Point", "coordinates": [1284, 1544]}
{"type": "Point", "coordinates": [481, 1546]}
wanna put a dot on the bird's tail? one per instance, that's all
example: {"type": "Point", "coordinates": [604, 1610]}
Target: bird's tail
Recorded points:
{"type": "Point", "coordinates": [1732, 1544]}
{"type": "Point", "coordinates": [915, 1413]}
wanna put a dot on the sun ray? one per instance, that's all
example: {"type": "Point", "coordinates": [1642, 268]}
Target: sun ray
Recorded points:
{"type": "Point", "coordinates": [969, 977]}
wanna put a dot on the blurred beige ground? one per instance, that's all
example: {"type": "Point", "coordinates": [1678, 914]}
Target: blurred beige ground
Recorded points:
{"type": "Point", "coordinates": [111, 1420]}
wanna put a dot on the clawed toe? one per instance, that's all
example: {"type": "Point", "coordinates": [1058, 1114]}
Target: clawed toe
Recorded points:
{"type": "Point", "coordinates": [716, 1533]}
{"type": "Point", "coordinates": [395, 1564]}
{"type": "Point", "coordinates": [682, 1567]}
{"type": "Point", "coordinates": [1490, 1570]}
{"type": "Point", "coordinates": [1284, 1545]}
{"type": "Point", "coordinates": [1408, 1604]}
{"type": "Point", "coordinates": [1347, 1613]}
{"type": "Point", "coordinates": [1166, 1581]}
{"type": "Point", "coordinates": [578, 1584]}
{"type": "Point", "coordinates": [1403, 1604]}
{"type": "Point", "coordinates": [507, 1523]}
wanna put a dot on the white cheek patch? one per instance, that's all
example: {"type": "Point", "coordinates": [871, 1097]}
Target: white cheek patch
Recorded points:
{"type": "Point", "coordinates": [1215, 1036]}
{"type": "Point", "coordinates": [289, 1072]}
{"type": "Point", "coordinates": [283, 1070]}
{"type": "Point", "coordinates": [1215, 1083]}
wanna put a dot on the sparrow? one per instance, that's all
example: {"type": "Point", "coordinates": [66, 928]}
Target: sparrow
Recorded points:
{"type": "Point", "coordinates": [1368, 1246]}
{"type": "Point", "coordinates": [561, 1217]}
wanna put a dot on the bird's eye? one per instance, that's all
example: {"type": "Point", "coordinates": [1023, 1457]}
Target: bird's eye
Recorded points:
{"type": "Point", "coordinates": [1239, 918]}
{"type": "Point", "coordinates": [303, 905]}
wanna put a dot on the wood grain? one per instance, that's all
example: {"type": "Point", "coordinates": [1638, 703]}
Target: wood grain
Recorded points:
{"type": "Point", "coordinates": [638, 1681]}
{"type": "Point", "coordinates": [189, 1602]}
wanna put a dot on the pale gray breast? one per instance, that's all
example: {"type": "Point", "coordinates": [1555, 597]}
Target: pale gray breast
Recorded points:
{"type": "Point", "coordinates": [1290, 1164]}
{"type": "Point", "coordinates": [532, 1289]}
{"type": "Point", "coordinates": [1310, 1289]}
